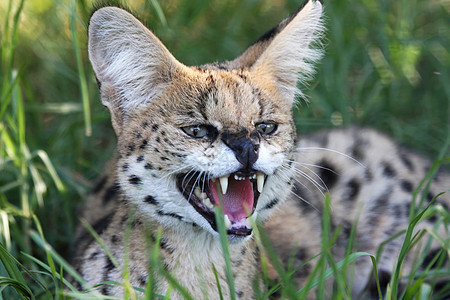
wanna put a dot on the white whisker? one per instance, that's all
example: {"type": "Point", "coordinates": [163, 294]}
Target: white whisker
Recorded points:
{"type": "Point", "coordinates": [309, 178]}
{"type": "Point", "coordinates": [315, 174]}
{"type": "Point", "coordinates": [334, 151]}
{"type": "Point", "coordinates": [304, 200]}
{"type": "Point", "coordinates": [182, 183]}
{"type": "Point", "coordinates": [305, 186]}
{"type": "Point", "coordinates": [312, 165]}
{"type": "Point", "coordinates": [194, 185]}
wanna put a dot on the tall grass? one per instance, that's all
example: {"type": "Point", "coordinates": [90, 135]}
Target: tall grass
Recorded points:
{"type": "Point", "coordinates": [386, 66]}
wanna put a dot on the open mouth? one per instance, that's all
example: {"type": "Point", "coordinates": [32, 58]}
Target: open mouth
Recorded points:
{"type": "Point", "coordinates": [236, 193]}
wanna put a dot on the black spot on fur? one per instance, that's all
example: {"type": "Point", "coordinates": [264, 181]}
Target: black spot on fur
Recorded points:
{"type": "Point", "coordinates": [356, 152]}
{"type": "Point", "coordinates": [240, 294]}
{"type": "Point", "coordinates": [102, 224]}
{"type": "Point", "coordinates": [327, 173]}
{"type": "Point", "coordinates": [148, 166]}
{"type": "Point", "coordinates": [378, 206]}
{"type": "Point", "coordinates": [352, 190]}
{"type": "Point", "coordinates": [301, 254]}
{"type": "Point", "coordinates": [271, 204]}
{"type": "Point", "coordinates": [111, 193]}
{"type": "Point", "coordinates": [158, 139]}
{"type": "Point", "coordinates": [168, 142]}
{"type": "Point", "coordinates": [384, 278]}
{"type": "Point", "coordinates": [406, 161]}
{"type": "Point", "coordinates": [276, 294]}
{"type": "Point", "coordinates": [100, 184]}
{"type": "Point", "coordinates": [134, 179]}
{"type": "Point", "coordinates": [136, 222]}
{"type": "Point", "coordinates": [114, 239]}
{"type": "Point", "coordinates": [144, 124]}
{"type": "Point", "coordinates": [155, 127]}
{"type": "Point", "coordinates": [144, 144]}
{"type": "Point", "coordinates": [125, 167]}
{"type": "Point", "coordinates": [163, 133]}
{"type": "Point", "coordinates": [164, 245]}
{"type": "Point", "coordinates": [140, 158]}
{"type": "Point", "coordinates": [109, 266]}
{"type": "Point", "coordinates": [397, 211]}
{"type": "Point", "coordinates": [407, 209]}
{"type": "Point", "coordinates": [238, 262]}
{"type": "Point", "coordinates": [429, 197]}
{"type": "Point", "coordinates": [124, 219]}
{"type": "Point", "coordinates": [169, 214]}
{"type": "Point", "coordinates": [433, 218]}
{"type": "Point", "coordinates": [381, 201]}
{"type": "Point", "coordinates": [430, 256]}
{"type": "Point", "coordinates": [94, 255]}
{"type": "Point", "coordinates": [143, 280]}
{"type": "Point", "coordinates": [163, 158]}
{"type": "Point", "coordinates": [388, 171]}
{"type": "Point", "coordinates": [303, 272]}
{"type": "Point", "coordinates": [302, 200]}
{"type": "Point", "coordinates": [150, 200]}
{"type": "Point", "coordinates": [131, 147]}
{"type": "Point", "coordinates": [346, 230]}
{"type": "Point", "coordinates": [406, 186]}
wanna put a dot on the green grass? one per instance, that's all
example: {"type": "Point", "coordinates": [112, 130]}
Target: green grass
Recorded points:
{"type": "Point", "coordinates": [386, 66]}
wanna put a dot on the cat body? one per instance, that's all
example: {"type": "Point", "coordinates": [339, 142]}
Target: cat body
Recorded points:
{"type": "Point", "coordinates": [193, 139]}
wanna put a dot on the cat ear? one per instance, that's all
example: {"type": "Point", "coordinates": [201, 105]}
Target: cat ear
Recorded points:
{"type": "Point", "coordinates": [131, 64]}
{"type": "Point", "coordinates": [286, 54]}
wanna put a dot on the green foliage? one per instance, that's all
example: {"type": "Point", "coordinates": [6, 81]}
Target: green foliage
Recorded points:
{"type": "Point", "coordinates": [386, 66]}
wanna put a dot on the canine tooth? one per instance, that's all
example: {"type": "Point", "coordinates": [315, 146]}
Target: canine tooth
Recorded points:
{"type": "Point", "coordinates": [227, 222]}
{"type": "Point", "coordinates": [224, 184]}
{"type": "Point", "coordinates": [260, 181]}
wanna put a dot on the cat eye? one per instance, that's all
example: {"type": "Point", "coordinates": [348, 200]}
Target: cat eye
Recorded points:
{"type": "Point", "coordinates": [196, 131]}
{"type": "Point", "coordinates": [266, 128]}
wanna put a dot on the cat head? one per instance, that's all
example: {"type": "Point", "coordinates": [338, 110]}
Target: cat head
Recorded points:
{"type": "Point", "coordinates": [191, 139]}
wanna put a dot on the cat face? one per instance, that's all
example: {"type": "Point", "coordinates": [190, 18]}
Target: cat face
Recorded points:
{"type": "Point", "coordinates": [194, 139]}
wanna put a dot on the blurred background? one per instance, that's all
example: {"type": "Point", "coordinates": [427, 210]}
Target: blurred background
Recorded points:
{"type": "Point", "coordinates": [386, 66]}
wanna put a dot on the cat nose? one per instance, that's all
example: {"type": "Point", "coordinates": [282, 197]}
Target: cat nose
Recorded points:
{"type": "Point", "coordinates": [245, 149]}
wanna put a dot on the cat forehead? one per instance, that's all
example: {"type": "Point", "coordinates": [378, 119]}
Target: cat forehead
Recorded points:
{"type": "Point", "coordinates": [228, 96]}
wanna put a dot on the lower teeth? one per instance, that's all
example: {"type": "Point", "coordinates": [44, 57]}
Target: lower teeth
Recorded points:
{"type": "Point", "coordinates": [227, 222]}
{"type": "Point", "coordinates": [208, 203]}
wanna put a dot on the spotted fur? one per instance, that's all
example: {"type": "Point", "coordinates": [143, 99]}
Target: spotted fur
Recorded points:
{"type": "Point", "coordinates": [181, 127]}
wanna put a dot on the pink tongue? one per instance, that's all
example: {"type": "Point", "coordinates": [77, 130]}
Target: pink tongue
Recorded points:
{"type": "Point", "coordinates": [237, 201]}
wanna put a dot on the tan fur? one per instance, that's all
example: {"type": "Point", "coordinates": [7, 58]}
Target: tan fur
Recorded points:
{"type": "Point", "coordinates": [155, 101]}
